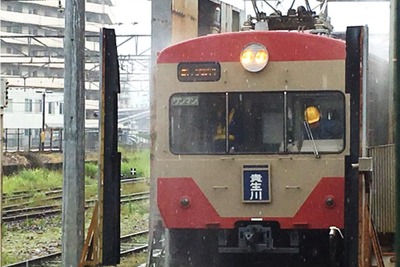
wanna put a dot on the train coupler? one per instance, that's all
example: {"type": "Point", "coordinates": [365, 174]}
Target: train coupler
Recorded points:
{"type": "Point", "coordinates": [256, 239]}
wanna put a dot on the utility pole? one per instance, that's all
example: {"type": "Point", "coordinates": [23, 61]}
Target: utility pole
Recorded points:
{"type": "Point", "coordinates": [73, 209]}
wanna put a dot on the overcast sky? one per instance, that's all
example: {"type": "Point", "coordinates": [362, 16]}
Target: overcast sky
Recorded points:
{"type": "Point", "coordinates": [374, 14]}
{"type": "Point", "coordinates": [135, 15]}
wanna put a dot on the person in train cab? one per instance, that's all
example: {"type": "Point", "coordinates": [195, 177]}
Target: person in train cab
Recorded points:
{"type": "Point", "coordinates": [321, 128]}
{"type": "Point", "coordinates": [220, 131]}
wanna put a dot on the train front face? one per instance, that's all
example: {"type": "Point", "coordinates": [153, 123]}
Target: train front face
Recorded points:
{"type": "Point", "coordinates": [240, 165]}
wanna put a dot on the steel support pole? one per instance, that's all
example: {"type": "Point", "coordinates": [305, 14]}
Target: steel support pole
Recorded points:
{"type": "Point", "coordinates": [73, 210]}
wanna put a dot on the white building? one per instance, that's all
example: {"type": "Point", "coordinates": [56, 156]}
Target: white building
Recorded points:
{"type": "Point", "coordinates": [32, 60]}
{"type": "Point", "coordinates": [25, 109]}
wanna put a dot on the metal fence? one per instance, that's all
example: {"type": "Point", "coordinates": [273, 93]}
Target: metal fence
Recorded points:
{"type": "Point", "coordinates": [24, 140]}
{"type": "Point", "coordinates": [382, 197]}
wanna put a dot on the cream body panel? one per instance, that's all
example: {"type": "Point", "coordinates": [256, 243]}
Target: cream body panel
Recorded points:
{"type": "Point", "coordinates": [327, 75]}
{"type": "Point", "coordinates": [219, 178]}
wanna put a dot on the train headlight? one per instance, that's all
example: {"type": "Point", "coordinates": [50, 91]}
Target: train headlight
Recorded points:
{"type": "Point", "coordinates": [254, 57]}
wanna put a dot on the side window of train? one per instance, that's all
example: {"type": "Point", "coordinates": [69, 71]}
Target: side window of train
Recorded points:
{"type": "Point", "coordinates": [316, 122]}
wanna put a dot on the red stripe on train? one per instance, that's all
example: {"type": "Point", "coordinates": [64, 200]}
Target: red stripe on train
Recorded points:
{"type": "Point", "coordinates": [200, 213]}
{"type": "Point", "coordinates": [282, 46]}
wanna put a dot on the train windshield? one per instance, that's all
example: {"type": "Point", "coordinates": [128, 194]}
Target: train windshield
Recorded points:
{"type": "Point", "coordinates": [257, 122]}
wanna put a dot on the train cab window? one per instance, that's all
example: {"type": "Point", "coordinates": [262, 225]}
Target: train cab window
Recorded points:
{"type": "Point", "coordinates": [260, 122]}
{"type": "Point", "coordinates": [192, 117]}
{"type": "Point", "coordinates": [315, 122]}
{"type": "Point", "coordinates": [255, 122]}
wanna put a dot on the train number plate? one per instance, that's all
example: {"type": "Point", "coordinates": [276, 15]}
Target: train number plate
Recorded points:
{"type": "Point", "coordinates": [256, 183]}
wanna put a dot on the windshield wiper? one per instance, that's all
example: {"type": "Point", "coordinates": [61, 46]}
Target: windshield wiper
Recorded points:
{"type": "Point", "coordinates": [310, 137]}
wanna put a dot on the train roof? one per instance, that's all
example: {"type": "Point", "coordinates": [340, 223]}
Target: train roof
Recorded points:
{"type": "Point", "coordinates": [282, 46]}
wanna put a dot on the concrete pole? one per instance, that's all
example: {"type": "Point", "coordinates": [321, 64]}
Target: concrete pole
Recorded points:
{"type": "Point", "coordinates": [73, 213]}
{"type": "Point", "coordinates": [161, 36]}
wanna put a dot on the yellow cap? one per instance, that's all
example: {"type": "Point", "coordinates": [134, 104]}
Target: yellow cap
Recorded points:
{"type": "Point", "coordinates": [311, 114]}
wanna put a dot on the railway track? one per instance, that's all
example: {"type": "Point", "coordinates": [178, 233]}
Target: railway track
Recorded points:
{"type": "Point", "coordinates": [10, 214]}
{"type": "Point", "coordinates": [52, 195]}
{"type": "Point", "coordinates": [21, 195]}
{"type": "Point", "coordinates": [128, 247]}
{"type": "Point", "coordinates": [27, 195]}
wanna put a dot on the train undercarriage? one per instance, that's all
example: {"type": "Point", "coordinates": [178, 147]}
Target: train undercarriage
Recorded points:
{"type": "Point", "coordinates": [252, 244]}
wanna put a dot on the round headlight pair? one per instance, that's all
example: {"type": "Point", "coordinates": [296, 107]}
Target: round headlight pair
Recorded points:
{"type": "Point", "coordinates": [254, 57]}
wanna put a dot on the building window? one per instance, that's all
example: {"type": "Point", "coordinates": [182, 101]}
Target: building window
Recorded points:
{"type": "Point", "coordinates": [33, 11]}
{"type": "Point", "coordinates": [49, 32]}
{"type": "Point", "coordinates": [12, 50]}
{"type": "Point", "coordinates": [51, 107]}
{"type": "Point", "coordinates": [92, 94]}
{"type": "Point", "coordinates": [38, 106]}
{"type": "Point", "coordinates": [28, 105]}
{"type": "Point", "coordinates": [61, 108]}
{"type": "Point", "coordinates": [17, 29]}
{"type": "Point", "coordinates": [17, 8]}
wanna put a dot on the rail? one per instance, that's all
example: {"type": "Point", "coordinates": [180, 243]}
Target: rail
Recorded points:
{"type": "Point", "coordinates": [127, 247]}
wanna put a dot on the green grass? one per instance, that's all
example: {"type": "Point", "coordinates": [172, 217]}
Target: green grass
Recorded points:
{"type": "Point", "coordinates": [91, 170]}
{"type": "Point", "coordinates": [30, 180]}
{"type": "Point", "coordinates": [138, 160]}
{"type": "Point", "coordinates": [34, 179]}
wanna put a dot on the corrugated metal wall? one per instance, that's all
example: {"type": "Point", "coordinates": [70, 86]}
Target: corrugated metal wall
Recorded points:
{"type": "Point", "coordinates": [383, 188]}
